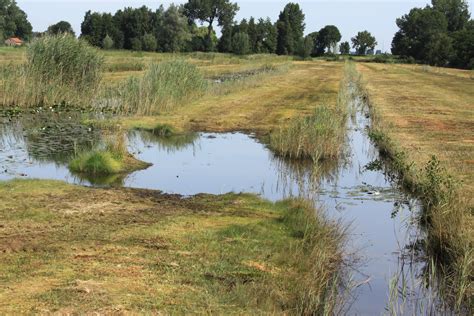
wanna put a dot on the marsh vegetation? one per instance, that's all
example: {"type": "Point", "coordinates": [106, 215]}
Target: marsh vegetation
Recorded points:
{"type": "Point", "coordinates": [229, 252]}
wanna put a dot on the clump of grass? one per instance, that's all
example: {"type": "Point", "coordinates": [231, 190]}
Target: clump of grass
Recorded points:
{"type": "Point", "coordinates": [162, 87]}
{"type": "Point", "coordinates": [163, 130]}
{"type": "Point", "coordinates": [113, 158]}
{"type": "Point", "coordinates": [316, 137]}
{"type": "Point", "coordinates": [96, 163]}
{"type": "Point", "coordinates": [321, 135]}
{"type": "Point", "coordinates": [58, 69]}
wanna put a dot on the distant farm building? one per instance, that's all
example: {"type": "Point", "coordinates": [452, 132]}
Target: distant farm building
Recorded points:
{"type": "Point", "coordinates": [14, 41]}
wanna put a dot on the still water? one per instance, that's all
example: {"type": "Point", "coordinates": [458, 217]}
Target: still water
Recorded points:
{"type": "Point", "coordinates": [353, 190]}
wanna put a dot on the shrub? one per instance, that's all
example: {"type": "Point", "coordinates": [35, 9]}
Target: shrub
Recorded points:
{"type": "Point", "coordinates": [149, 43]}
{"type": "Point", "coordinates": [108, 43]}
{"type": "Point", "coordinates": [136, 44]}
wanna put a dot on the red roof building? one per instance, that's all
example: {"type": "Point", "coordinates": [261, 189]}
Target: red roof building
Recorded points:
{"type": "Point", "coordinates": [14, 41]}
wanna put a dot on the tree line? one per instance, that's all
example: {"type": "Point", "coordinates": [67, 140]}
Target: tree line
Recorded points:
{"type": "Point", "coordinates": [441, 34]}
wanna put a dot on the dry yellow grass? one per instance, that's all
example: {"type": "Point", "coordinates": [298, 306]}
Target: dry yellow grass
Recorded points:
{"type": "Point", "coordinates": [430, 112]}
{"type": "Point", "coordinates": [427, 113]}
{"type": "Point", "coordinates": [257, 104]}
{"type": "Point", "coordinates": [66, 249]}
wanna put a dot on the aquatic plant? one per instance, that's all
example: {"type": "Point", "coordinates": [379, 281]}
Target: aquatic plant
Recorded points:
{"type": "Point", "coordinates": [113, 158]}
{"type": "Point", "coordinates": [317, 137]}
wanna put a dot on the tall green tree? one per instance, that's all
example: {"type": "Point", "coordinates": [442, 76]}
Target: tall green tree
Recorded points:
{"type": "Point", "coordinates": [209, 11]}
{"type": "Point", "coordinates": [13, 21]}
{"type": "Point", "coordinates": [423, 36]}
{"type": "Point", "coordinates": [253, 35]}
{"type": "Point", "coordinates": [290, 28]}
{"type": "Point", "coordinates": [328, 37]}
{"type": "Point", "coordinates": [240, 43]}
{"type": "Point", "coordinates": [463, 46]}
{"type": "Point", "coordinates": [266, 36]}
{"type": "Point", "coordinates": [363, 41]}
{"type": "Point", "coordinates": [456, 13]}
{"type": "Point", "coordinates": [305, 47]}
{"type": "Point", "coordinates": [173, 32]}
{"type": "Point", "coordinates": [60, 28]}
{"type": "Point", "coordinates": [345, 48]}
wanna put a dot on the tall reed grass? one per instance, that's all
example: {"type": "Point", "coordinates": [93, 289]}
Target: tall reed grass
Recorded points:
{"type": "Point", "coordinates": [162, 87]}
{"type": "Point", "coordinates": [58, 69]}
{"type": "Point", "coordinates": [318, 136]}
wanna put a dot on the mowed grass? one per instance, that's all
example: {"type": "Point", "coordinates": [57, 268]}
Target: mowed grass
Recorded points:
{"type": "Point", "coordinates": [428, 112]}
{"type": "Point", "coordinates": [424, 119]}
{"type": "Point", "coordinates": [71, 249]}
{"type": "Point", "coordinates": [258, 104]}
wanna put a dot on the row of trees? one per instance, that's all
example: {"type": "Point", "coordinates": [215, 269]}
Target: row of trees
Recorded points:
{"type": "Point", "coordinates": [441, 34]}
{"type": "Point", "coordinates": [176, 29]}
{"type": "Point", "coordinates": [13, 21]}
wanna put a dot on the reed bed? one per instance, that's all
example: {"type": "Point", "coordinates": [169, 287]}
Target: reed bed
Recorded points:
{"type": "Point", "coordinates": [58, 69]}
{"type": "Point", "coordinates": [319, 136]}
{"type": "Point", "coordinates": [162, 87]}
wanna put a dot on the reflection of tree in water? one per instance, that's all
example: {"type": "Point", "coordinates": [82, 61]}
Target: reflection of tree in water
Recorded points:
{"type": "Point", "coordinates": [170, 144]}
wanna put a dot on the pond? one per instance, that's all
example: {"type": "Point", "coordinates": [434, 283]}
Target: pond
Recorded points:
{"type": "Point", "coordinates": [354, 190]}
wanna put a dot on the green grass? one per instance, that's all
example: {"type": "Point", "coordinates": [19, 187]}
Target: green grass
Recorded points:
{"type": "Point", "coordinates": [96, 163]}
{"type": "Point", "coordinates": [139, 251]}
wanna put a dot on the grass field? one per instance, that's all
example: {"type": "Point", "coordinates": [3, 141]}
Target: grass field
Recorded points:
{"type": "Point", "coordinates": [70, 249]}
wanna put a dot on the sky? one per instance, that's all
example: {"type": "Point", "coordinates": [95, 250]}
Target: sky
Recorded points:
{"type": "Point", "coordinates": [350, 16]}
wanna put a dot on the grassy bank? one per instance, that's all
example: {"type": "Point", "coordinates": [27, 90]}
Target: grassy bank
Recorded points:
{"type": "Point", "coordinates": [68, 249]}
{"type": "Point", "coordinates": [413, 112]}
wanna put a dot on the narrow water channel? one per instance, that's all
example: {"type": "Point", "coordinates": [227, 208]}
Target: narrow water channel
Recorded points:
{"type": "Point", "coordinates": [355, 191]}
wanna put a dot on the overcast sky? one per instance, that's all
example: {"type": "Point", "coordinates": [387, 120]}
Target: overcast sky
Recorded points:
{"type": "Point", "coordinates": [350, 16]}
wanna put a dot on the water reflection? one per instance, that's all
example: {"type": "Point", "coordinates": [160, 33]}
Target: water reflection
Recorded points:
{"type": "Point", "coordinates": [393, 273]}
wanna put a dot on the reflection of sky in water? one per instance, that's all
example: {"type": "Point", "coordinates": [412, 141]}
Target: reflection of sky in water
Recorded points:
{"type": "Point", "coordinates": [220, 163]}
